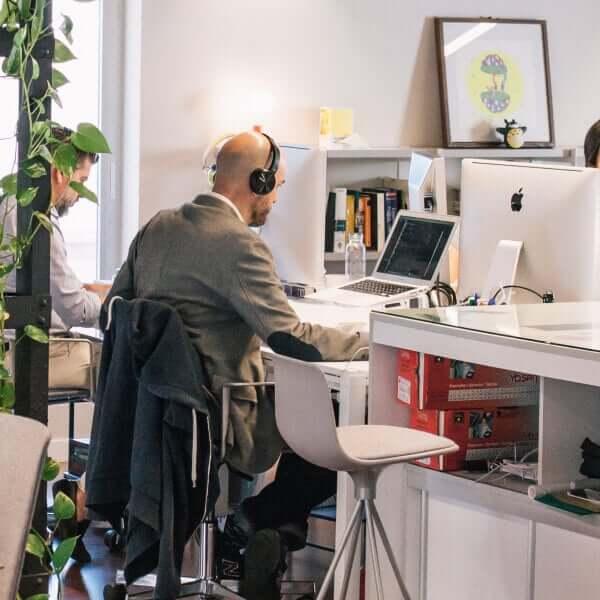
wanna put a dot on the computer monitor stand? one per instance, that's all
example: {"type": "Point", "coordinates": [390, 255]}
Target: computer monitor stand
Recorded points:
{"type": "Point", "coordinates": [503, 270]}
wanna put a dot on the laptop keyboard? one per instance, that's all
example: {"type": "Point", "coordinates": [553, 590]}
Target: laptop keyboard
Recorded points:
{"type": "Point", "coordinates": [377, 288]}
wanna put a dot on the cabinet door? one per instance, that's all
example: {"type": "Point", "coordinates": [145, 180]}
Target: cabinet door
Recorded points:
{"type": "Point", "coordinates": [474, 554]}
{"type": "Point", "coordinates": [566, 565]}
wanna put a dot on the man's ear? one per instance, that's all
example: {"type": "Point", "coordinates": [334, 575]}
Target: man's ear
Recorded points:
{"type": "Point", "coordinates": [57, 177]}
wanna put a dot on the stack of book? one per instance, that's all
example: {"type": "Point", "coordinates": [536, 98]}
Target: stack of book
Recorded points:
{"type": "Point", "coordinates": [370, 211]}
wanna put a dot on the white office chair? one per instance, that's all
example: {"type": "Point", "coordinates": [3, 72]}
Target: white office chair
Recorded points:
{"type": "Point", "coordinates": [23, 444]}
{"type": "Point", "coordinates": [306, 420]}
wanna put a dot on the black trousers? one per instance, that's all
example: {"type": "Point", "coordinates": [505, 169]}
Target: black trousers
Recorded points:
{"type": "Point", "coordinates": [298, 487]}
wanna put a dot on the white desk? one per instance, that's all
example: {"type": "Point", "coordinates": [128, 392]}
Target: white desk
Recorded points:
{"type": "Point", "coordinates": [458, 539]}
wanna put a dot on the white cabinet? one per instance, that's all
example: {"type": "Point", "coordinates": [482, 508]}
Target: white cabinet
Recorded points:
{"type": "Point", "coordinates": [460, 539]}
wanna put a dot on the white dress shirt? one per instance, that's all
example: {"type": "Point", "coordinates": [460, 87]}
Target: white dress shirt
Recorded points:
{"type": "Point", "coordinates": [72, 304]}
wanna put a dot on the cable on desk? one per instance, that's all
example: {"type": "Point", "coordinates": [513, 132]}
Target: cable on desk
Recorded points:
{"type": "Point", "coordinates": [546, 298]}
{"type": "Point", "coordinates": [440, 287]}
{"type": "Point", "coordinates": [354, 356]}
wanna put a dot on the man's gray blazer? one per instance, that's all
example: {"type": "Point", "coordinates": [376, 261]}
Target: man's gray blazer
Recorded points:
{"type": "Point", "coordinates": [220, 276]}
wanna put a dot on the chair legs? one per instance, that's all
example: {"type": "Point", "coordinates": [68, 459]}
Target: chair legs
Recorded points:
{"type": "Point", "coordinates": [365, 507]}
{"type": "Point", "coordinates": [206, 585]}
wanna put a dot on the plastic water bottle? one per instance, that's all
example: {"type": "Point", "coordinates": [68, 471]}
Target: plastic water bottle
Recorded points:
{"type": "Point", "coordinates": [356, 257]}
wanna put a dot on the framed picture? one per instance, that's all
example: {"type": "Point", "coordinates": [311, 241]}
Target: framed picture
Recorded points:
{"type": "Point", "coordinates": [492, 71]}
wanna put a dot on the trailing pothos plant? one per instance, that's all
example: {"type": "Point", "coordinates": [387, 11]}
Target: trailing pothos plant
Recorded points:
{"type": "Point", "coordinates": [24, 19]}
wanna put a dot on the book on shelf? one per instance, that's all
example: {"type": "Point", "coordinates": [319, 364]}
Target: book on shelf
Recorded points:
{"type": "Point", "coordinates": [351, 212]}
{"type": "Point", "coordinates": [370, 210]}
{"type": "Point", "coordinates": [329, 221]}
{"type": "Point", "coordinates": [392, 203]}
{"type": "Point", "coordinates": [339, 230]}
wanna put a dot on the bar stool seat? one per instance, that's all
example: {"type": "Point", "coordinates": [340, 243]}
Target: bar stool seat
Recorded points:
{"type": "Point", "coordinates": [306, 421]}
{"type": "Point", "coordinates": [372, 445]}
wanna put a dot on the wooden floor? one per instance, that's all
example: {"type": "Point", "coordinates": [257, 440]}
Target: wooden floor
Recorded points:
{"type": "Point", "coordinates": [88, 581]}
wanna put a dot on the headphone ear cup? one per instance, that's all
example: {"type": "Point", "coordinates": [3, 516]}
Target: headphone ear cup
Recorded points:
{"type": "Point", "coordinates": [212, 175]}
{"type": "Point", "coordinates": [262, 181]}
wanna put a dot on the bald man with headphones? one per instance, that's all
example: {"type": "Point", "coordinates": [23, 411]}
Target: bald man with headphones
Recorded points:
{"type": "Point", "coordinates": [205, 260]}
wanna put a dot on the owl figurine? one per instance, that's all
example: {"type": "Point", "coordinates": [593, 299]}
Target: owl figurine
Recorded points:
{"type": "Point", "coordinates": [513, 133]}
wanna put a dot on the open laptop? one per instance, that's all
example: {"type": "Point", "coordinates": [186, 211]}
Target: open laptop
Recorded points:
{"type": "Point", "coordinates": [407, 266]}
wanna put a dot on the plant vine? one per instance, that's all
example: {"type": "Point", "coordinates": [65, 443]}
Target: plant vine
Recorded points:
{"type": "Point", "coordinates": [24, 21]}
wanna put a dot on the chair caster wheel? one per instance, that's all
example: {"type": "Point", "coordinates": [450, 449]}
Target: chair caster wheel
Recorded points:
{"type": "Point", "coordinates": [113, 540]}
{"type": "Point", "coordinates": [115, 592]}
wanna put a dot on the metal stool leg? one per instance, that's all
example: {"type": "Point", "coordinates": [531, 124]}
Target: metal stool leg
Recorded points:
{"type": "Point", "coordinates": [354, 522]}
{"type": "Point", "coordinates": [388, 549]}
{"type": "Point", "coordinates": [354, 544]}
{"type": "Point", "coordinates": [370, 526]}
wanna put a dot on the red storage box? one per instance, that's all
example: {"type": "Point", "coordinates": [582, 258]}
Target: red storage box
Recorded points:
{"type": "Point", "coordinates": [482, 434]}
{"type": "Point", "coordinates": [434, 382]}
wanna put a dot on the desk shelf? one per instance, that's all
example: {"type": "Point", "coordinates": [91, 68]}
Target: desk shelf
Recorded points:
{"type": "Point", "coordinates": [508, 500]}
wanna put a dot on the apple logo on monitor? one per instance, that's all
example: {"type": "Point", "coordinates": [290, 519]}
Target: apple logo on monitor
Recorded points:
{"type": "Point", "coordinates": [516, 201]}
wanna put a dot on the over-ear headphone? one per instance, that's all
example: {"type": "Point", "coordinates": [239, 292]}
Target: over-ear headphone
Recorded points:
{"type": "Point", "coordinates": [262, 181]}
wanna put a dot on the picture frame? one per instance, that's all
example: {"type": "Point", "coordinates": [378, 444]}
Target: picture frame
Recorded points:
{"type": "Point", "coordinates": [491, 72]}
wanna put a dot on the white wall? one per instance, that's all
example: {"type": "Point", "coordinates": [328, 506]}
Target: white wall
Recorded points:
{"type": "Point", "coordinates": [207, 65]}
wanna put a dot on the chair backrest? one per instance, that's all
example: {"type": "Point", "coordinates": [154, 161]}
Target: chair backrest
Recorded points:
{"type": "Point", "coordinates": [23, 444]}
{"type": "Point", "coordinates": [304, 413]}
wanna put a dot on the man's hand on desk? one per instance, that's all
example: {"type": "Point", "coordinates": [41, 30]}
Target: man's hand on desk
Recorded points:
{"type": "Point", "coordinates": [101, 289]}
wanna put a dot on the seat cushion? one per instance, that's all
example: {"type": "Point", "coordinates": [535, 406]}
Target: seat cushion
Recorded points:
{"type": "Point", "coordinates": [384, 442]}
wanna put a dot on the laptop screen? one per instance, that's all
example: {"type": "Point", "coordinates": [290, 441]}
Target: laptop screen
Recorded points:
{"type": "Point", "coordinates": [415, 247]}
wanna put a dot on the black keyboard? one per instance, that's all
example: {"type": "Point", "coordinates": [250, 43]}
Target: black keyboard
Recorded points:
{"type": "Point", "coordinates": [377, 288]}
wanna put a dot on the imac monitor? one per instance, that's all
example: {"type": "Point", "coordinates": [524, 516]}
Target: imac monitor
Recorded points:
{"type": "Point", "coordinates": [294, 230]}
{"type": "Point", "coordinates": [553, 209]}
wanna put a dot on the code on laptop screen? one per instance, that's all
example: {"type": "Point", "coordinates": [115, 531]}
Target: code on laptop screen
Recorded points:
{"type": "Point", "coordinates": [415, 247]}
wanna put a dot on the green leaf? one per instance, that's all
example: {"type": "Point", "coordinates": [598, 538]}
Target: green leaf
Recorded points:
{"type": "Point", "coordinates": [25, 9]}
{"type": "Point", "coordinates": [12, 63]}
{"type": "Point", "coordinates": [63, 507]}
{"type": "Point", "coordinates": [5, 269]}
{"type": "Point", "coordinates": [62, 554]}
{"type": "Point", "coordinates": [45, 154]}
{"type": "Point", "coordinates": [7, 394]}
{"type": "Point", "coordinates": [27, 196]}
{"type": "Point", "coordinates": [43, 219]}
{"type": "Point", "coordinates": [3, 11]}
{"type": "Point", "coordinates": [62, 53]}
{"type": "Point", "coordinates": [58, 79]}
{"type": "Point", "coordinates": [38, 21]}
{"type": "Point", "coordinates": [36, 545]}
{"type": "Point", "coordinates": [38, 597]}
{"type": "Point", "coordinates": [20, 36]}
{"type": "Point", "coordinates": [41, 129]}
{"type": "Point", "coordinates": [40, 336]}
{"type": "Point", "coordinates": [90, 139]}
{"type": "Point", "coordinates": [54, 95]}
{"type": "Point", "coordinates": [35, 69]}
{"type": "Point", "coordinates": [12, 23]}
{"type": "Point", "coordinates": [83, 191]}
{"type": "Point", "coordinates": [67, 27]}
{"type": "Point", "coordinates": [51, 470]}
{"type": "Point", "coordinates": [65, 158]}
{"type": "Point", "coordinates": [39, 105]}
{"type": "Point", "coordinates": [9, 184]}
{"type": "Point", "coordinates": [34, 169]}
